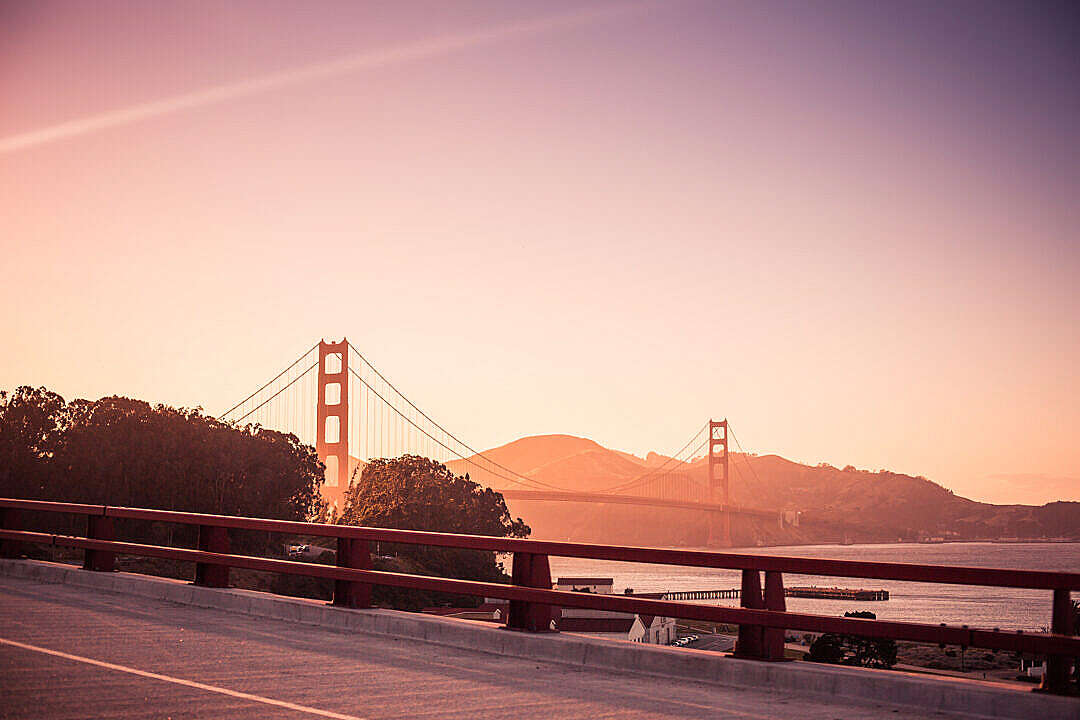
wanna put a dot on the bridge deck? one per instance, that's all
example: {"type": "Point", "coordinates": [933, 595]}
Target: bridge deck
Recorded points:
{"type": "Point", "coordinates": [68, 652]}
{"type": "Point", "coordinates": [619, 499]}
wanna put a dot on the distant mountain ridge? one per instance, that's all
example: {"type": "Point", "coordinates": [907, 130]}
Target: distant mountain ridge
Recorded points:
{"type": "Point", "coordinates": [836, 504]}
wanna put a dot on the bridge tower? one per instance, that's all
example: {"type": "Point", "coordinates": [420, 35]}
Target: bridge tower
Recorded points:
{"type": "Point", "coordinates": [719, 522]}
{"type": "Point", "coordinates": [332, 420]}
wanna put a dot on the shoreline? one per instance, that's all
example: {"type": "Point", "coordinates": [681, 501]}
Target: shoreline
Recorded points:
{"type": "Point", "coordinates": [909, 601]}
{"type": "Point", "coordinates": [750, 548]}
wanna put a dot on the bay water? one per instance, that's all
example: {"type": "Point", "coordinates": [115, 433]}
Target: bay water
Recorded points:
{"type": "Point", "coordinates": [983, 607]}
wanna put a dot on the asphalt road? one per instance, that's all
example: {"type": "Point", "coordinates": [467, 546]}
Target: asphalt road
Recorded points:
{"type": "Point", "coordinates": [715, 643]}
{"type": "Point", "coordinates": [71, 653]}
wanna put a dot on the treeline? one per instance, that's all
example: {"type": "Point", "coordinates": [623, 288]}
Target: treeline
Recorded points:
{"type": "Point", "coordinates": [119, 451]}
{"type": "Point", "coordinates": [416, 493]}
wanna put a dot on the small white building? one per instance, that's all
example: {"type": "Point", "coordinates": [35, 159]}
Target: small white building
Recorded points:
{"type": "Point", "coordinates": [653, 629]}
{"type": "Point", "coordinates": [650, 629]}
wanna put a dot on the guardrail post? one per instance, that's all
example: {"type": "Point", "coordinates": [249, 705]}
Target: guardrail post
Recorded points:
{"type": "Point", "coordinates": [774, 600]}
{"type": "Point", "coordinates": [10, 520]}
{"type": "Point", "coordinates": [100, 527]}
{"type": "Point", "coordinates": [352, 553]}
{"type": "Point", "coordinates": [1056, 678]}
{"type": "Point", "coordinates": [530, 570]}
{"type": "Point", "coordinates": [751, 639]}
{"type": "Point", "coordinates": [216, 540]}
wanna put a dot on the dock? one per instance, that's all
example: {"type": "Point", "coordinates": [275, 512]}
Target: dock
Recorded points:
{"type": "Point", "coordinates": [835, 593]}
{"type": "Point", "coordinates": [820, 593]}
{"type": "Point", "coordinates": [701, 594]}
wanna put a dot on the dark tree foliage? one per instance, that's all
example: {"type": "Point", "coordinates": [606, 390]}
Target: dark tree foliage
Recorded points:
{"type": "Point", "coordinates": [31, 422]}
{"type": "Point", "coordinates": [118, 451]}
{"type": "Point", "coordinates": [1076, 631]}
{"type": "Point", "coordinates": [854, 650]}
{"type": "Point", "coordinates": [828, 648]}
{"type": "Point", "coordinates": [415, 493]}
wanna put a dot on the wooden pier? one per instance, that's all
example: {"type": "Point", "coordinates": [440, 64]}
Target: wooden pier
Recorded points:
{"type": "Point", "coordinates": [700, 594]}
{"type": "Point", "coordinates": [819, 593]}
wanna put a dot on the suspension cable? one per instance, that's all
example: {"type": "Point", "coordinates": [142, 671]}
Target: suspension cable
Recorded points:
{"type": "Point", "coordinates": [294, 363]}
{"type": "Point", "coordinates": [522, 479]}
{"type": "Point", "coordinates": [746, 458]}
{"type": "Point", "coordinates": [528, 482]}
{"type": "Point", "coordinates": [440, 427]}
{"type": "Point", "coordinates": [655, 471]}
{"type": "Point", "coordinates": [283, 389]}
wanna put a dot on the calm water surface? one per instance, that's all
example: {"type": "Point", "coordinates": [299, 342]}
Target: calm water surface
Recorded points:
{"type": "Point", "coordinates": [1004, 608]}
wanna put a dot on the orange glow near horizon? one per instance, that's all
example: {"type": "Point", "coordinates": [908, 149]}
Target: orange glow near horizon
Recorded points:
{"type": "Point", "coordinates": [852, 236]}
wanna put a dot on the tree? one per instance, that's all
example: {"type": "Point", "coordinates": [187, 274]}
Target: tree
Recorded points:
{"type": "Point", "coordinates": [119, 451]}
{"type": "Point", "coordinates": [868, 652]}
{"type": "Point", "coordinates": [123, 451]}
{"type": "Point", "coordinates": [853, 649]}
{"type": "Point", "coordinates": [31, 421]}
{"type": "Point", "coordinates": [416, 493]}
{"type": "Point", "coordinates": [828, 648]}
{"type": "Point", "coordinates": [1076, 631]}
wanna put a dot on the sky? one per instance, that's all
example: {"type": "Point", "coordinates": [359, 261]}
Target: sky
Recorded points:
{"type": "Point", "coordinates": [851, 228]}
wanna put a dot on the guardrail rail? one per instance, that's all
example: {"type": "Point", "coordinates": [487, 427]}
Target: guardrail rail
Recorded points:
{"type": "Point", "coordinates": [762, 617]}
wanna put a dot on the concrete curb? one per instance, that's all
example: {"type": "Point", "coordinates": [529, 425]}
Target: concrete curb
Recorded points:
{"type": "Point", "coordinates": [932, 694]}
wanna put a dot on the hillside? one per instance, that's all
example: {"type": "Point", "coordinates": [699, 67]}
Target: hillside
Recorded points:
{"type": "Point", "coordinates": [526, 456]}
{"type": "Point", "coordinates": [835, 504]}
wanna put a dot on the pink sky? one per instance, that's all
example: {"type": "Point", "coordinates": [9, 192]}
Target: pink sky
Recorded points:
{"type": "Point", "coordinates": [852, 231]}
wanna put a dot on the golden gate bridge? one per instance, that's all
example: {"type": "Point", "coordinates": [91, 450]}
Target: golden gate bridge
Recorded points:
{"type": "Point", "coordinates": [332, 397]}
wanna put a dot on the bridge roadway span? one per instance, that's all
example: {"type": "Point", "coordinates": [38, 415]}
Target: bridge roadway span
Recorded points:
{"type": "Point", "coordinates": [613, 499]}
{"type": "Point", "coordinates": [70, 652]}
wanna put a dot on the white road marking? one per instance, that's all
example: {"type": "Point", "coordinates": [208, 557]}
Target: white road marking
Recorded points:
{"type": "Point", "coordinates": [181, 681]}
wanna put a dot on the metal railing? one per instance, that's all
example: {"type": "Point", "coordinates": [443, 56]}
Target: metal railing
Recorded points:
{"type": "Point", "coordinates": [762, 619]}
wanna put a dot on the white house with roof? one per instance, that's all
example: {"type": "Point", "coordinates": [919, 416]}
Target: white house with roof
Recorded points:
{"type": "Point", "coordinates": [651, 629]}
{"type": "Point", "coordinates": [654, 630]}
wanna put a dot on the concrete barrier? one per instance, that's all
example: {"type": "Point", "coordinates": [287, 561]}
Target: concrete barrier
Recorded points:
{"type": "Point", "coordinates": [929, 693]}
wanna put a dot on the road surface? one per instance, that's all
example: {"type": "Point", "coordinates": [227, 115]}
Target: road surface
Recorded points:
{"type": "Point", "coordinates": [715, 643]}
{"type": "Point", "coordinates": [67, 652]}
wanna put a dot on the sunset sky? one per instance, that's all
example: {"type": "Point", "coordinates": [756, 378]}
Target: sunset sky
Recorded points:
{"type": "Point", "coordinates": [852, 228]}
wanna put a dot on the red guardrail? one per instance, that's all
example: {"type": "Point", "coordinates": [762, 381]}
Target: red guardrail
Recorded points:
{"type": "Point", "coordinates": [762, 619]}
